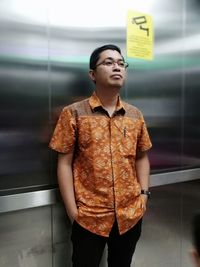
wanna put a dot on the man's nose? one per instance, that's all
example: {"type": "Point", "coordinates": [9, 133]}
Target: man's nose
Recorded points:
{"type": "Point", "coordinates": [116, 66]}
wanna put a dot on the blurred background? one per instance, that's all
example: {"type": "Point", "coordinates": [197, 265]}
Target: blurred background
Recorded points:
{"type": "Point", "coordinates": [44, 53]}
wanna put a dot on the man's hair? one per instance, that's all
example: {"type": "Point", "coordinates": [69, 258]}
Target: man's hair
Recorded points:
{"type": "Point", "coordinates": [96, 53]}
{"type": "Point", "coordinates": [196, 231]}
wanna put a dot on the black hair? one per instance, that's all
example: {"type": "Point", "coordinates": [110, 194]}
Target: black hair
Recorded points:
{"type": "Point", "coordinates": [196, 231]}
{"type": "Point", "coordinates": [96, 53]}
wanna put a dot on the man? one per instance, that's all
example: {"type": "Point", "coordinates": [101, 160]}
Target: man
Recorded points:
{"type": "Point", "coordinates": [103, 168]}
{"type": "Point", "coordinates": [196, 239]}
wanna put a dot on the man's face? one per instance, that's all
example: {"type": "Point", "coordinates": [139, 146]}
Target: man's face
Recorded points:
{"type": "Point", "coordinates": [110, 70]}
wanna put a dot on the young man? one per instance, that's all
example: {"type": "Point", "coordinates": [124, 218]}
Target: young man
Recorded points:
{"type": "Point", "coordinates": [196, 239]}
{"type": "Point", "coordinates": [103, 168]}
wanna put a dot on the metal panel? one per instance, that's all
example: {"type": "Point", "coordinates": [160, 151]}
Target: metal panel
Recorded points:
{"type": "Point", "coordinates": [26, 235]}
{"type": "Point", "coordinates": [44, 64]}
{"type": "Point", "coordinates": [166, 238]}
{"type": "Point", "coordinates": [191, 127]}
{"type": "Point", "coordinates": [24, 95]}
{"type": "Point", "coordinates": [26, 238]}
{"type": "Point", "coordinates": [28, 200]}
{"type": "Point", "coordinates": [61, 236]}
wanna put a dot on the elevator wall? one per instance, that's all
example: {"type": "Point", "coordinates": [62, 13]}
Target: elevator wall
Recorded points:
{"type": "Point", "coordinates": [44, 53]}
{"type": "Point", "coordinates": [44, 66]}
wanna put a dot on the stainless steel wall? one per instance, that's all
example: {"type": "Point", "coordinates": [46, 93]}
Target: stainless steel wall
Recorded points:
{"type": "Point", "coordinates": [44, 52]}
{"type": "Point", "coordinates": [44, 63]}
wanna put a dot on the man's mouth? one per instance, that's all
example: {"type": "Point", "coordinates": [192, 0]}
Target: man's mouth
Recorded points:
{"type": "Point", "coordinates": [116, 76]}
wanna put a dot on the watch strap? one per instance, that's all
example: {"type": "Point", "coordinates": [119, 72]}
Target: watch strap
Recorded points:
{"type": "Point", "coordinates": [146, 192]}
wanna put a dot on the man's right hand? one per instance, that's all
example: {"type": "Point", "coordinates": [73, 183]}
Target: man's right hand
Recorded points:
{"type": "Point", "coordinates": [73, 215]}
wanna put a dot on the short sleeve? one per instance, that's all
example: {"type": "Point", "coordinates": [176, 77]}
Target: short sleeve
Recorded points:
{"type": "Point", "coordinates": [64, 135]}
{"type": "Point", "coordinates": [144, 142]}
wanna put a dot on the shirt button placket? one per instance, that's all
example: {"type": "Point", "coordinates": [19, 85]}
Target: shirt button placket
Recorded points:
{"type": "Point", "coordinates": [112, 160]}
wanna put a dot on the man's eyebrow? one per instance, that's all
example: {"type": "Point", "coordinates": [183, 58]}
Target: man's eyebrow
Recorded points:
{"type": "Point", "coordinates": [111, 58]}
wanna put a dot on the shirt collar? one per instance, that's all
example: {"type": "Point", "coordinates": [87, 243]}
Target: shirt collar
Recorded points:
{"type": "Point", "coordinates": [95, 103]}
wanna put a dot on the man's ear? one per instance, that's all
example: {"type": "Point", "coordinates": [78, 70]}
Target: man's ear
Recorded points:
{"type": "Point", "coordinates": [195, 257]}
{"type": "Point", "coordinates": [92, 75]}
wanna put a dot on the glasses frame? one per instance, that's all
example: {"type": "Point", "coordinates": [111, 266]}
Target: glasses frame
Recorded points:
{"type": "Point", "coordinates": [113, 63]}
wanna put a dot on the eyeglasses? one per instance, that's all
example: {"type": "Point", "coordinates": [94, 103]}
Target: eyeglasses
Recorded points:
{"type": "Point", "coordinates": [111, 63]}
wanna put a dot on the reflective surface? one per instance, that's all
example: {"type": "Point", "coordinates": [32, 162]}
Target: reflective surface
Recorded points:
{"type": "Point", "coordinates": [44, 66]}
{"type": "Point", "coordinates": [24, 98]}
{"type": "Point", "coordinates": [166, 237]}
{"type": "Point", "coordinates": [44, 52]}
{"type": "Point", "coordinates": [40, 237]}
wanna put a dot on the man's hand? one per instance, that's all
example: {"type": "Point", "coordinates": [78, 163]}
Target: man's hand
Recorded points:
{"type": "Point", "coordinates": [73, 215]}
{"type": "Point", "coordinates": [144, 200]}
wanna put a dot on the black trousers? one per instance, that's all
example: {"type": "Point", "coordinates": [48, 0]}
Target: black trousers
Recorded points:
{"type": "Point", "coordinates": [88, 247]}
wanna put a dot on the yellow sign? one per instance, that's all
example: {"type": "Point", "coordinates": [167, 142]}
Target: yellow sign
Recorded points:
{"type": "Point", "coordinates": [140, 37]}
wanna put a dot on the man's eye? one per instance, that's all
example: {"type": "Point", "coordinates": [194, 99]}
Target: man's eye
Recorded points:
{"type": "Point", "coordinates": [121, 64]}
{"type": "Point", "coordinates": [108, 63]}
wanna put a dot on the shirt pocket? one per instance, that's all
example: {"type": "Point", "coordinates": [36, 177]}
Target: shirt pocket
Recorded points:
{"type": "Point", "coordinates": [129, 141]}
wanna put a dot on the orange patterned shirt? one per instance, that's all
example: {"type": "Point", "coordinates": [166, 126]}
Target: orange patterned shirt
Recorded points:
{"type": "Point", "coordinates": [105, 181]}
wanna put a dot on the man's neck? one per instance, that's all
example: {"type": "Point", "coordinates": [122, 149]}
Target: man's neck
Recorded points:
{"type": "Point", "coordinates": [109, 98]}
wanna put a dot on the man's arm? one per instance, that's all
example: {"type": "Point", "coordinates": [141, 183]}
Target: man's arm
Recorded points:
{"type": "Point", "coordinates": [66, 185]}
{"type": "Point", "coordinates": [143, 171]}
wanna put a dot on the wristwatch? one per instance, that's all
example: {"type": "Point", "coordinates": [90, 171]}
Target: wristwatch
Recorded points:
{"type": "Point", "coordinates": [146, 192]}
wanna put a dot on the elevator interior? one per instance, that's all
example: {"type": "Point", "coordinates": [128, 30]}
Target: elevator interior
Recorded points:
{"type": "Point", "coordinates": [44, 52]}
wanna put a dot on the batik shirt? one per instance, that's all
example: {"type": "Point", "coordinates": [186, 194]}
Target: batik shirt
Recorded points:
{"type": "Point", "coordinates": [104, 173]}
